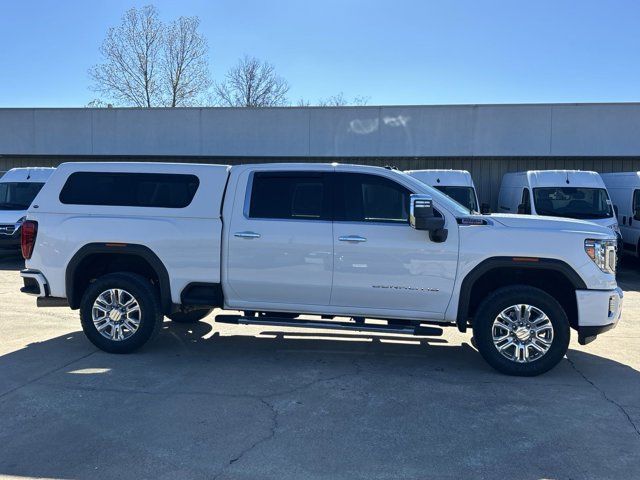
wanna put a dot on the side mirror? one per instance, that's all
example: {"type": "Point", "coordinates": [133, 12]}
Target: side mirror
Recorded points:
{"type": "Point", "coordinates": [485, 209]}
{"type": "Point", "coordinates": [615, 210]}
{"type": "Point", "coordinates": [421, 217]}
{"type": "Point", "coordinates": [521, 209]}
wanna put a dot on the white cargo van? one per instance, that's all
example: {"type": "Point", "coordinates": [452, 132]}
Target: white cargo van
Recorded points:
{"type": "Point", "coordinates": [558, 193]}
{"type": "Point", "coordinates": [624, 188]}
{"type": "Point", "coordinates": [457, 184]}
{"type": "Point", "coordinates": [18, 188]}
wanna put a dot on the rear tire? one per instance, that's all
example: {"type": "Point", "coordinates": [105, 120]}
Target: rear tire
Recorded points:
{"type": "Point", "coordinates": [191, 316]}
{"type": "Point", "coordinates": [120, 312]}
{"type": "Point", "coordinates": [517, 340]}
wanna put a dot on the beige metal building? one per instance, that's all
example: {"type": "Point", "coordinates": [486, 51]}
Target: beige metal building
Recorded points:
{"type": "Point", "coordinates": [487, 140]}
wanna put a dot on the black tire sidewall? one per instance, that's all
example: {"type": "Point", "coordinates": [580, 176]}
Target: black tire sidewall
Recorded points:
{"type": "Point", "coordinates": [505, 297]}
{"type": "Point", "coordinates": [147, 298]}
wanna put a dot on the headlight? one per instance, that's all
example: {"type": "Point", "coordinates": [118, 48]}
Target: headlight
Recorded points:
{"type": "Point", "coordinates": [603, 253]}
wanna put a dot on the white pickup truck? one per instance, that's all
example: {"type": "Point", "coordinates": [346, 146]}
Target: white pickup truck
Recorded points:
{"type": "Point", "coordinates": [129, 243]}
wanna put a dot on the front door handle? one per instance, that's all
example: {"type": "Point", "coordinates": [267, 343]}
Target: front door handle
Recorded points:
{"type": "Point", "coordinates": [246, 235]}
{"type": "Point", "coordinates": [352, 238]}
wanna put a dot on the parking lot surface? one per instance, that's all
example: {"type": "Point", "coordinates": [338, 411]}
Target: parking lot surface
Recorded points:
{"type": "Point", "coordinates": [227, 402]}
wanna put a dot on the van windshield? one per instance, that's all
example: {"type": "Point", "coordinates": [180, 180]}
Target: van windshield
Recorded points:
{"type": "Point", "coordinates": [465, 196]}
{"type": "Point", "coordinates": [18, 195]}
{"type": "Point", "coordinates": [572, 202]}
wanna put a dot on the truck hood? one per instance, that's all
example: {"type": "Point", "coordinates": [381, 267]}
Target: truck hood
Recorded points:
{"type": "Point", "coordinates": [8, 217]}
{"type": "Point", "coordinates": [538, 222]}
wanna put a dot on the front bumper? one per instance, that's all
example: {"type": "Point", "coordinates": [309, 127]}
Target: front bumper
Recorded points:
{"type": "Point", "coordinates": [598, 312]}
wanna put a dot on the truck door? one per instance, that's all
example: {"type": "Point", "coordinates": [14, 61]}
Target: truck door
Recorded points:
{"type": "Point", "coordinates": [280, 240]}
{"type": "Point", "coordinates": [380, 261]}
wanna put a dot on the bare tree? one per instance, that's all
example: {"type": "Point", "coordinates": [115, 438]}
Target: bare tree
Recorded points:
{"type": "Point", "coordinates": [186, 67]}
{"type": "Point", "coordinates": [149, 64]}
{"type": "Point", "coordinates": [132, 55]}
{"type": "Point", "coordinates": [252, 83]}
{"type": "Point", "coordinates": [97, 103]}
{"type": "Point", "coordinates": [339, 100]}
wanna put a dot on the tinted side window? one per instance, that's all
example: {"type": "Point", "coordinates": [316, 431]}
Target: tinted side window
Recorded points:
{"type": "Point", "coordinates": [162, 190]}
{"type": "Point", "coordinates": [370, 198]}
{"type": "Point", "coordinates": [290, 195]}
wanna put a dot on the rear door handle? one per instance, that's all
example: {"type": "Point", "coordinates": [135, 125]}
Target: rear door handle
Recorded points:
{"type": "Point", "coordinates": [352, 238]}
{"type": "Point", "coordinates": [246, 235]}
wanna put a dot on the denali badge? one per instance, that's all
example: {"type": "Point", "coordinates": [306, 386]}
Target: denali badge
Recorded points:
{"type": "Point", "coordinates": [398, 287]}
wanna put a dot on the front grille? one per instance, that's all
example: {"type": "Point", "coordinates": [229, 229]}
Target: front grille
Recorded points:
{"type": "Point", "coordinates": [7, 229]}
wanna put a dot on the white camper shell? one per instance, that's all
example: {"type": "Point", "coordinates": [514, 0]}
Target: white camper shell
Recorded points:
{"type": "Point", "coordinates": [457, 184]}
{"type": "Point", "coordinates": [18, 188]}
{"type": "Point", "coordinates": [624, 188]}
{"type": "Point", "coordinates": [558, 193]}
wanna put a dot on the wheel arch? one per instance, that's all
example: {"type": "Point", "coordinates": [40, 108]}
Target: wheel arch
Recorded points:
{"type": "Point", "coordinates": [134, 258]}
{"type": "Point", "coordinates": [496, 272]}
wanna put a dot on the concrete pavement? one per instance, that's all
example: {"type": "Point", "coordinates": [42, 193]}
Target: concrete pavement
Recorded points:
{"type": "Point", "coordinates": [227, 402]}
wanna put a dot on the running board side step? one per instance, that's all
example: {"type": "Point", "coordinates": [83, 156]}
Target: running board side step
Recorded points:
{"type": "Point", "coordinates": [349, 326]}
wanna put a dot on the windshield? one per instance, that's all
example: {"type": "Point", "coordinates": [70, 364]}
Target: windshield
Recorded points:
{"type": "Point", "coordinates": [18, 196]}
{"type": "Point", "coordinates": [418, 187]}
{"type": "Point", "coordinates": [572, 202]}
{"type": "Point", "coordinates": [465, 196]}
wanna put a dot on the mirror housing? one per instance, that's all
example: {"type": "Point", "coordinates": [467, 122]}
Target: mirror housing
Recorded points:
{"type": "Point", "coordinates": [421, 217]}
{"type": "Point", "coordinates": [485, 209]}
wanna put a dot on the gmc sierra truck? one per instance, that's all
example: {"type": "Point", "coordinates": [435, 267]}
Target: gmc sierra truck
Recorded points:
{"type": "Point", "coordinates": [130, 243]}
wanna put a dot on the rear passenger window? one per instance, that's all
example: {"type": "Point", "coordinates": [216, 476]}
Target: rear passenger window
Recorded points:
{"type": "Point", "coordinates": [371, 198]}
{"type": "Point", "coordinates": [290, 195]}
{"type": "Point", "coordinates": [161, 190]}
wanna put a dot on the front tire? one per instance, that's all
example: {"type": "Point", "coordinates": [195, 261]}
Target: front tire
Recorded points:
{"type": "Point", "coordinates": [120, 312]}
{"type": "Point", "coordinates": [521, 330]}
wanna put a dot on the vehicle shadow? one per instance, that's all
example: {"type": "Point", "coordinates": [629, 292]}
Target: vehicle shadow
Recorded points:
{"type": "Point", "coordinates": [11, 261]}
{"type": "Point", "coordinates": [259, 402]}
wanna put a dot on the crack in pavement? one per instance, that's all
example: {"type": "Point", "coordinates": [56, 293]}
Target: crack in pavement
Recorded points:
{"type": "Point", "coordinates": [275, 414]}
{"type": "Point", "coordinates": [605, 396]}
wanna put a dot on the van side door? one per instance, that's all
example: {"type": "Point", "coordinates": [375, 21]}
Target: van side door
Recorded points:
{"type": "Point", "coordinates": [382, 265]}
{"type": "Point", "coordinates": [631, 233]}
{"type": "Point", "coordinates": [280, 240]}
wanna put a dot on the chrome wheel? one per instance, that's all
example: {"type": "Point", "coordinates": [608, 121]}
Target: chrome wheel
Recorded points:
{"type": "Point", "coordinates": [522, 333]}
{"type": "Point", "coordinates": [116, 314]}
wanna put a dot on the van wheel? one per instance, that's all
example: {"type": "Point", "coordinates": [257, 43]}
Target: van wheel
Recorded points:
{"type": "Point", "coordinates": [191, 316]}
{"type": "Point", "coordinates": [521, 330]}
{"type": "Point", "coordinates": [120, 312]}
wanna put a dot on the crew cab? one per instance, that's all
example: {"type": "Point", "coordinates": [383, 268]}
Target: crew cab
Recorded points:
{"type": "Point", "coordinates": [129, 243]}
